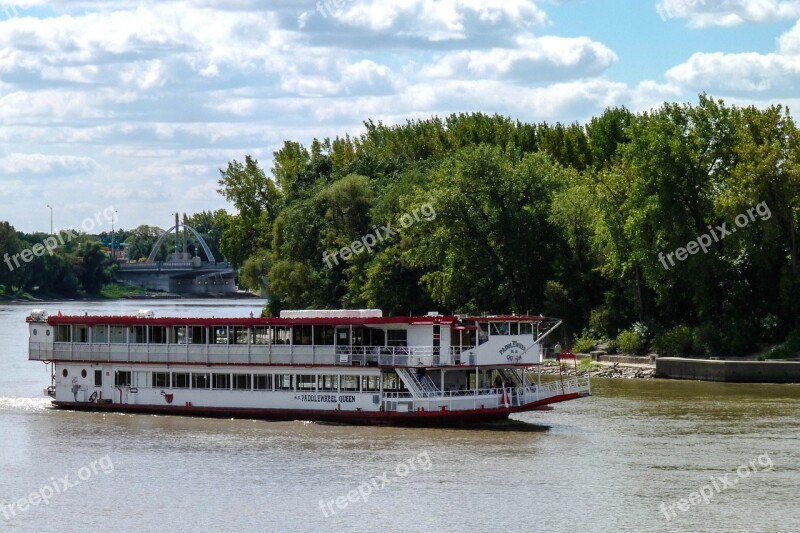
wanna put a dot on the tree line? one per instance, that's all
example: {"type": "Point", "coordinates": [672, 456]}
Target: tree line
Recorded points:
{"type": "Point", "coordinates": [80, 264]}
{"type": "Point", "coordinates": [569, 220]}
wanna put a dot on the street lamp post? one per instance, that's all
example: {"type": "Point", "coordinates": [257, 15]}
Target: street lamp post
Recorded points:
{"type": "Point", "coordinates": [51, 218]}
{"type": "Point", "coordinates": [112, 233]}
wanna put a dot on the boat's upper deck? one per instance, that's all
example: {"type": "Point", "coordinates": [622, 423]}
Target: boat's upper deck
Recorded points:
{"type": "Point", "coordinates": [297, 338]}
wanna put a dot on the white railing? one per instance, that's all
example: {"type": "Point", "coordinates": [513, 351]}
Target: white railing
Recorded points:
{"type": "Point", "coordinates": [243, 354]}
{"type": "Point", "coordinates": [485, 398]}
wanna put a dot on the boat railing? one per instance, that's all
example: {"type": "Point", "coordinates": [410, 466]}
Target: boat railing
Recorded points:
{"type": "Point", "coordinates": [393, 356]}
{"type": "Point", "coordinates": [490, 398]}
{"type": "Point", "coordinates": [230, 353]}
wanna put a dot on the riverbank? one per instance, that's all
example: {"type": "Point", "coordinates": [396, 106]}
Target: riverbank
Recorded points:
{"type": "Point", "coordinates": [603, 370]}
{"type": "Point", "coordinates": [110, 293]}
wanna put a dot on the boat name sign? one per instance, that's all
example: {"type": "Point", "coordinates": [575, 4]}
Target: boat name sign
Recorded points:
{"type": "Point", "coordinates": [328, 398]}
{"type": "Point", "coordinates": [515, 350]}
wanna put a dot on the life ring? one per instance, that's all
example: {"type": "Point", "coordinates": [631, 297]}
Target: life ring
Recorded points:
{"type": "Point", "coordinates": [93, 397]}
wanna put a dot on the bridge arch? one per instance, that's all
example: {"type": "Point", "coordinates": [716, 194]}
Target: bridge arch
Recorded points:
{"type": "Point", "coordinates": [157, 246]}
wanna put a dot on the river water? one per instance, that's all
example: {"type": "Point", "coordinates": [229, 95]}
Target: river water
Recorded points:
{"type": "Point", "coordinates": [637, 456]}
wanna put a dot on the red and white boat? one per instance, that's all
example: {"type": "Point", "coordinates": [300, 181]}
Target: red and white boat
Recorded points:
{"type": "Point", "coordinates": [351, 366]}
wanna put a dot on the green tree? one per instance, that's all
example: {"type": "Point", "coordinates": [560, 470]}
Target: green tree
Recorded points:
{"type": "Point", "coordinates": [9, 245]}
{"type": "Point", "coordinates": [141, 241]}
{"type": "Point", "coordinates": [249, 189]}
{"type": "Point", "coordinates": [491, 245]}
{"type": "Point", "coordinates": [92, 268]}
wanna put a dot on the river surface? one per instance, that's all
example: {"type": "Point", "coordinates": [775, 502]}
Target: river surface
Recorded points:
{"type": "Point", "coordinates": [637, 456]}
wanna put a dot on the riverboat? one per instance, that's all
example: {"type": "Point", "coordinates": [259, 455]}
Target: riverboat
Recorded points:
{"type": "Point", "coordinates": [348, 366]}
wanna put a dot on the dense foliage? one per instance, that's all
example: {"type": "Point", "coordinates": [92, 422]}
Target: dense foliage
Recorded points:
{"type": "Point", "coordinates": [568, 220]}
{"type": "Point", "coordinates": [43, 264]}
{"type": "Point", "coordinates": [78, 264]}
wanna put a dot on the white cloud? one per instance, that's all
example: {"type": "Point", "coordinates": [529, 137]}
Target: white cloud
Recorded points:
{"type": "Point", "coordinates": [768, 74]}
{"type": "Point", "coordinates": [536, 59]}
{"type": "Point", "coordinates": [16, 163]}
{"type": "Point", "coordinates": [704, 13]}
{"type": "Point", "coordinates": [410, 21]}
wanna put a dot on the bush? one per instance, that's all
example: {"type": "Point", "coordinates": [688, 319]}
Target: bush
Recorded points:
{"type": "Point", "coordinates": [584, 343]}
{"type": "Point", "coordinates": [612, 346]}
{"type": "Point", "coordinates": [631, 342]}
{"type": "Point", "coordinates": [726, 337]}
{"type": "Point", "coordinates": [642, 330]}
{"type": "Point", "coordinates": [788, 350]}
{"type": "Point", "coordinates": [586, 364]}
{"type": "Point", "coordinates": [676, 341]}
{"type": "Point", "coordinates": [600, 322]}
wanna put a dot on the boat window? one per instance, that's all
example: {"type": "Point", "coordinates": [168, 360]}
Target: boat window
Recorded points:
{"type": "Point", "coordinates": [377, 337]}
{"type": "Point", "coordinates": [220, 335]}
{"type": "Point", "coordinates": [349, 383]}
{"type": "Point", "coordinates": [160, 380]}
{"type": "Point", "coordinates": [483, 332]}
{"type": "Point", "coordinates": [499, 328]}
{"type": "Point", "coordinates": [526, 328]}
{"type": "Point", "coordinates": [301, 335]}
{"type": "Point", "coordinates": [368, 337]}
{"type": "Point", "coordinates": [328, 382]}
{"type": "Point", "coordinates": [241, 335]}
{"type": "Point", "coordinates": [262, 382]}
{"type": "Point", "coordinates": [397, 337]}
{"type": "Point", "coordinates": [98, 378]}
{"type": "Point", "coordinates": [64, 333]}
{"type": "Point", "coordinates": [306, 382]}
{"type": "Point", "coordinates": [122, 378]}
{"type": "Point", "coordinates": [138, 334]}
{"type": "Point", "coordinates": [116, 334]}
{"type": "Point", "coordinates": [196, 334]}
{"type": "Point", "coordinates": [323, 335]}
{"type": "Point", "coordinates": [281, 334]}
{"type": "Point", "coordinates": [513, 328]}
{"type": "Point", "coordinates": [242, 381]}
{"type": "Point", "coordinates": [158, 334]}
{"type": "Point", "coordinates": [180, 380]}
{"type": "Point", "coordinates": [284, 381]}
{"type": "Point", "coordinates": [370, 383]}
{"type": "Point", "coordinates": [179, 334]}
{"type": "Point", "coordinates": [81, 334]}
{"type": "Point", "coordinates": [201, 381]}
{"type": "Point", "coordinates": [221, 381]}
{"type": "Point", "coordinates": [391, 382]}
{"type": "Point", "coordinates": [100, 334]}
{"type": "Point", "coordinates": [261, 335]}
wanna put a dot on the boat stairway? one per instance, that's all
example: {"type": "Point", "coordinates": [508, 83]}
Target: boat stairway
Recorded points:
{"type": "Point", "coordinates": [422, 386]}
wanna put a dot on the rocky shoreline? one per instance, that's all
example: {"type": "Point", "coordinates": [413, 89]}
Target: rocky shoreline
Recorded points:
{"type": "Point", "coordinates": [615, 370]}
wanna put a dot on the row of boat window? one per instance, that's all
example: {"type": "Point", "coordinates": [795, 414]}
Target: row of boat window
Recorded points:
{"type": "Point", "coordinates": [502, 329]}
{"type": "Point", "coordinates": [294, 335]}
{"type": "Point", "coordinates": [268, 382]}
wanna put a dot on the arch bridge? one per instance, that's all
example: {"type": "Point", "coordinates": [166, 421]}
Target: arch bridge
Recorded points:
{"type": "Point", "coordinates": [182, 274]}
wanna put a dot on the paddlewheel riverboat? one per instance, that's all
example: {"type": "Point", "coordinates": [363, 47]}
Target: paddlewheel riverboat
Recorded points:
{"type": "Point", "coordinates": [351, 366]}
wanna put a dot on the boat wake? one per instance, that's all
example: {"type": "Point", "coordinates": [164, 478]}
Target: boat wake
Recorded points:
{"type": "Point", "coordinates": [24, 404]}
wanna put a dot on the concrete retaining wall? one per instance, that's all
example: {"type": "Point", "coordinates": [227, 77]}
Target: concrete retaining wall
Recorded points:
{"type": "Point", "coordinates": [730, 371]}
{"type": "Point", "coordinates": [624, 359]}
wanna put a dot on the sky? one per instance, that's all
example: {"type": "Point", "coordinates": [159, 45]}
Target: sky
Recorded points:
{"type": "Point", "coordinates": [135, 106]}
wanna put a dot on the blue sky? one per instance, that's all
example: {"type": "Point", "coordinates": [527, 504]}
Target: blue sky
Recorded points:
{"type": "Point", "coordinates": [136, 105]}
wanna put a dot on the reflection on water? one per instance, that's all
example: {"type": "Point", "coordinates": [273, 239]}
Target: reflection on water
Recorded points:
{"type": "Point", "coordinates": [604, 463]}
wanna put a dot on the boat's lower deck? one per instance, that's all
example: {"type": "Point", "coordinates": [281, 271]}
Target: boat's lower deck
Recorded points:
{"type": "Point", "coordinates": [354, 394]}
{"type": "Point", "coordinates": [421, 417]}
